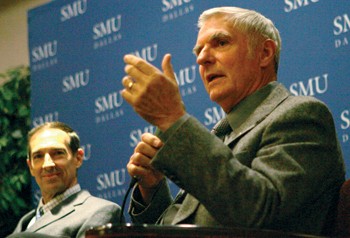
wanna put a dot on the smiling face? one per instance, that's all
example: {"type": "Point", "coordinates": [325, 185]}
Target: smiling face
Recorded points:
{"type": "Point", "coordinates": [52, 162]}
{"type": "Point", "coordinates": [229, 69]}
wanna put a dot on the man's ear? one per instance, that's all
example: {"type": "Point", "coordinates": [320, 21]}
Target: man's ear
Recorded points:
{"type": "Point", "coordinates": [268, 53]}
{"type": "Point", "coordinates": [30, 166]}
{"type": "Point", "coordinates": [79, 157]}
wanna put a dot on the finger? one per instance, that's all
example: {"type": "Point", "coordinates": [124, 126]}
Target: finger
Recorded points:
{"type": "Point", "coordinates": [128, 82]}
{"type": "Point", "coordinates": [134, 73]}
{"type": "Point", "coordinates": [168, 67]}
{"type": "Point", "coordinates": [140, 160]}
{"type": "Point", "coordinates": [126, 93]}
{"type": "Point", "coordinates": [146, 150]}
{"type": "Point", "coordinates": [139, 64]}
{"type": "Point", "coordinates": [136, 170]}
{"type": "Point", "coordinates": [152, 140]}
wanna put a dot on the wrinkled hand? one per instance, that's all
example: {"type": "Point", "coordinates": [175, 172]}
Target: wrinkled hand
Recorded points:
{"type": "Point", "coordinates": [153, 94]}
{"type": "Point", "coordinates": [139, 164]}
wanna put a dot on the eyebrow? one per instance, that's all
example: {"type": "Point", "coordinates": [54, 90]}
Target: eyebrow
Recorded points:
{"type": "Point", "coordinates": [215, 37]}
{"type": "Point", "coordinates": [51, 149]}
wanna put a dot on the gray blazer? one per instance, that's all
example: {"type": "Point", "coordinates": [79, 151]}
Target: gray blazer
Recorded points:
{"type": "Point", "coordinates": [281, 169]}
{"type": "Point", "coordinates": [72, 217]}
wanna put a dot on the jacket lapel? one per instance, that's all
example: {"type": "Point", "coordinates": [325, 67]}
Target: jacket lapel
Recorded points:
{"type": "Point", "coordinates": [60, 211]}
{"type": "Point", "coordinates": [188, 207]}
{"type": "Point", "coordinates": [24, 222]}
{"type": "Point", "coordinates": [50, 217]}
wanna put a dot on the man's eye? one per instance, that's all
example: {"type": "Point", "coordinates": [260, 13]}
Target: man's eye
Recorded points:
{"type": "Point", "coordinates": [37, 156]}
{"type": "Point", "coordinates": [222, 43]}
{"type": "Point", "coordinates": [59, 153]}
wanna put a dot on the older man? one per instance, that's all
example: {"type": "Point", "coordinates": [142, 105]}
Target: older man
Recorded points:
{"type": "Point", "coordinates": [275, 162]}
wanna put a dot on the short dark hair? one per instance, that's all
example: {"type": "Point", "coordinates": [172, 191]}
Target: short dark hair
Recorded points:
{"type": "Point", "coordinates": [74, 143]}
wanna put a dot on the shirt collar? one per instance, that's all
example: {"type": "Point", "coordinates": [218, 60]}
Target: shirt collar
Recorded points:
{"type": "Point", "coordinates": [247, 106]}
{"type": "Point", "coordinates": [58, 199]}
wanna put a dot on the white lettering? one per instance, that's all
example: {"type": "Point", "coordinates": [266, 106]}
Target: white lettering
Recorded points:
{"type": "Point", "coordinates": [109, 102]}
{"type": "Point", "coordinates": [345, 119]}
{"type": "Point", "coordinates": [108, 27]}
{"type": "Point", "coordinates": [341, 24]}
{"type": "Point", "coordinates": [44, 51]}
{"type": "Point", "coordinates": [79, 79]}
{"type": "Point", "coordinates": [53, 116]}
{"type": "Point", "coordinates": [345, 138]}
{"type": "Point", "coordinates": [73, 10]}
{"type": "Point", "coordinates": [313, 85]}
{"type": "Point", "coordinates": [135, 135]}
{"type": "Point", "coordinates": [213, 115]}
{"type": "Point", "coordinates": [170, 4]}
{"type": "Point", "coordinates": [110, 180]}
{"type": "Point", "coordinates": [87, 151]}
{"type": "Point", "coordinates": [185, 77]}
{"type": "Point", "coordinates": [341, 42]}
{"type": "Point", "coordinates": [295, 4]}
{"type": "Point", "coordinates": [148, 53]}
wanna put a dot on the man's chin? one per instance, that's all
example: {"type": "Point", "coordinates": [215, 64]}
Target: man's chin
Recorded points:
{"type": "Point", "coordinates": [54, 187]}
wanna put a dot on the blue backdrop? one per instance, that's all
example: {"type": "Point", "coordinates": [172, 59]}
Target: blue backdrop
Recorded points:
{"type": "Point", "coordinates": [76, 50]}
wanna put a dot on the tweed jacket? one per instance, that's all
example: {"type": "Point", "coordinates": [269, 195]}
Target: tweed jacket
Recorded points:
{"type": "Point", "coordinates": [72, 217]}
{"type": "Point", "coordinates": [280, 168]}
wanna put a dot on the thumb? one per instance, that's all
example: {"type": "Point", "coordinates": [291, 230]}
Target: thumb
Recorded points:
{"type": "Point", "coordinates": [168, 67]}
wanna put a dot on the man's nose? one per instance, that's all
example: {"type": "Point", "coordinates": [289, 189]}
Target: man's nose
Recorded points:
{"type": "Point", "coordinates": [204, 56]}
{"type": "Point", "coordinates": [48, 162]}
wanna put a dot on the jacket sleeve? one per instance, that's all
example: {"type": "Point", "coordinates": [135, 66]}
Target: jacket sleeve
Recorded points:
{"type": "Point", "coordinates": [151, 213]}
{"type": "Point", "coordinates": [288, 161]}
{"type": "Point", "coordinates": [105, 212]}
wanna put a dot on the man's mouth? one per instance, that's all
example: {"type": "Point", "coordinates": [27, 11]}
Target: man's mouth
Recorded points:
{"type": "Point", "coordinates": [50, 175]}
{"type": "Point", "coordinates": [212, 77]}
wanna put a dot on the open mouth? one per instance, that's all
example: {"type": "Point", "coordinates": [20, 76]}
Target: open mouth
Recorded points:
{"type": "Point", "coordinates": [213, 77]}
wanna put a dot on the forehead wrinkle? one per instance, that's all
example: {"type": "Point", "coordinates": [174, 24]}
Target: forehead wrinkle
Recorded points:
{"type": "Point", "coordinates": [214, 37]}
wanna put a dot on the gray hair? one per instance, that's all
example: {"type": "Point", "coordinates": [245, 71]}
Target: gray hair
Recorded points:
{"type": "Point", "coordinates": [252, 23]}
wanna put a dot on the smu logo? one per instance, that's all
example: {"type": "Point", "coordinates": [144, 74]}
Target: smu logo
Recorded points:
{"type": "Point", "coordinates": [105, 28]}
{"type": "Point", "coordinates": [292, 5]}
{"type": "Point", "coordinates": [170, 4]}
{"type": "Point", "coordinates": [345, 124]}
{"type": "Point", "coordinates": [148, 53]}
{"type": "Point", "coordinates": [110, 184]}
{"type": "Point", "coordinates": [49, 117]}
{"type": "Point", "coordinates": [108, 102]}
{"type": "Point", "coordinates": [107, 32]}
{"type": "Point", "coordinates": [44, 56]}
{"type": "Point", "coordinates": [135, 135]}
{"type": "Point", "coordinates": [111, 179]}
{"type": "Point", "coordinates": [213, 115]}
{"type": "Point", "coordinates": [174, 9]}
{"type": "Point", "coordinates": [108, 107]}
{"type": "Point", "coordinates": [185, 78]}
{"type": "Point", "coordinates": [72, 10]}
{"type": "Point", "coordinates": [76, 80]}
{"type": "Point", "coordinates": [44, 51]}
{"type": "Point", "coordinates": [313, 86]}
{"type": "Point", "coordinates": [341, 25]}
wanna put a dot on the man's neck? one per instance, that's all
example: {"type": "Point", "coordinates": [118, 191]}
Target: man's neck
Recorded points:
{"type": "Point", "coordinates": [49, 196]}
